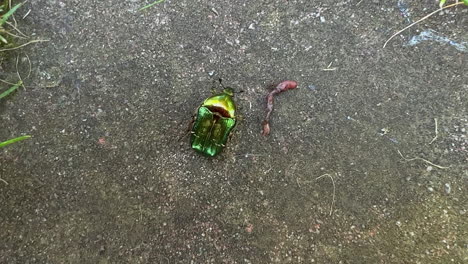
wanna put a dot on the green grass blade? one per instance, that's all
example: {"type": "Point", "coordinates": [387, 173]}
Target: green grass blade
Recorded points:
{"type": "Point", "coordinates": [9, 13]}
{"type": "Point", "coordinates": [13, 140]}
{"type": "Point", "coordinates": [12, 89]}
{"type": "Point", "coordinates": [441, 3]}
{"type": "Point", "coordinates": [150, 5]}
{"type": "Point", "coordinates": [2, 39]}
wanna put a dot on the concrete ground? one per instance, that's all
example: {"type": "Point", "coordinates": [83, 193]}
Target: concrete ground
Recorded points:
{"type": "Point", "coordinates": [107, 178]}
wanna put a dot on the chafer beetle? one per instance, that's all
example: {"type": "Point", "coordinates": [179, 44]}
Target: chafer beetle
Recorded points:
{"type": "Point", "coordinates": [214, 121]}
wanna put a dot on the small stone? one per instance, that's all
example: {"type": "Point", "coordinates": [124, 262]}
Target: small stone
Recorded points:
{"type": "Point", "coordinates": [430, 189]}
{"type": "Point", "coordinates": [398, 223]}
{"type": "Point", "coordinates": [448, 188]}
{"type": "Point", "coordinates": [312, 87]}
{"type": "Point", "coordinates": [429, 168]}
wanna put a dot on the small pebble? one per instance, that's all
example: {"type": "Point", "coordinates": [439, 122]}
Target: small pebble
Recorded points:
{"type": "Point", "coordinates": [430, 189]}
{"type": "Point", "coordinates": [429, 168]}
{"type": "Point", "coordinates": [398, 223]}
{"type": "Point", "coordinates": [312, 87]}
{"type": "Point", "coordinates": [448, 188]}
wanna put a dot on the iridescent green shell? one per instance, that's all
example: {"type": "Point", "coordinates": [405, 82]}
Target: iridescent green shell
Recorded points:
{"type": "Point", "coordinates": [215, 120]}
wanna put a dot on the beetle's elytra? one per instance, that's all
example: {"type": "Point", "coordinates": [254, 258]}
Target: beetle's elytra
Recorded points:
{"type": "Point", "coordinates": [214, 121]}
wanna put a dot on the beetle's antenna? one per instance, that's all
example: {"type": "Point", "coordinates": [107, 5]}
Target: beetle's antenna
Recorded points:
{"type": "Point", "coordinates": [221, 83]}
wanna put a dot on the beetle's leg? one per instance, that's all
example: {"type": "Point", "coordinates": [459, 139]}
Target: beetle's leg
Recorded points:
{"type": "Point", "coordinates": [234, 130]}
{"type": "Point", "coordinates": [189, 128]}
{"type": "Point", "coordinates": [215, 86]}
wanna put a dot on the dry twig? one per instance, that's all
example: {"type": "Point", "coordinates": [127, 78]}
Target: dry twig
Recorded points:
{"type": "Point", "coordinates": [425, 160]}
{"type": "Point", "coordinates": [436, 131]}
{"type": "Point", "coordinates": [25, 44]}
{"type": "Point", "coordinates": [334, 190]}
{"type": "Point", "coordinates": [420, 20]}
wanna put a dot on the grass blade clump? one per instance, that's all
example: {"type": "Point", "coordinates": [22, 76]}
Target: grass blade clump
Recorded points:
{"type": "Point", "coordinates": [5, 14]}
{"type": "Point", "coordinates": [5, 35]}
{"type": "Point", "coordinates": [5, 17]}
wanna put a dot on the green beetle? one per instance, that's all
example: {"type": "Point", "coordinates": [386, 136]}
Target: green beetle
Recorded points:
{"type": "Point", "coordinates": [215, 120]}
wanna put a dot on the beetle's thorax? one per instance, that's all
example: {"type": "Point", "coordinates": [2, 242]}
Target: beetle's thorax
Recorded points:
{"type": "Point", "coordinates": [222, 104]}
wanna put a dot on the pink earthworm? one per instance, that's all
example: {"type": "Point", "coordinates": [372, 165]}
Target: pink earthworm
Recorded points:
{"type": "Point", "coordinates": [281, 87]}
